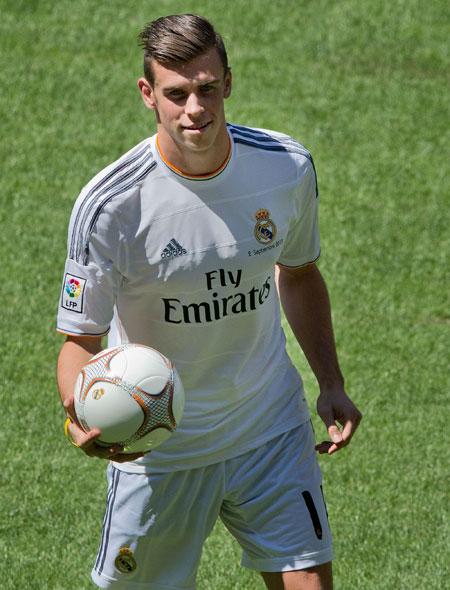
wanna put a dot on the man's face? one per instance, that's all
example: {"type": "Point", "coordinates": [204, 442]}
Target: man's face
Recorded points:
{"type": "Point", "coordinates": [189, 102]}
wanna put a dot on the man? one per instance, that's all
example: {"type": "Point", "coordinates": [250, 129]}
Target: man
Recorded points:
{"type": "Point", "coordinates": [175, 245]}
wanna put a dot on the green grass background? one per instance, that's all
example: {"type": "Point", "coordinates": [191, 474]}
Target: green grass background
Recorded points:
{"type": "Point", "coordinates": [363, 84]}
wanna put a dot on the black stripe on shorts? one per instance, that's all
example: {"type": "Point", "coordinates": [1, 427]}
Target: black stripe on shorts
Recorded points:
{"type": "Point", "coordinates": [313, 513]}
{"type": "Point", "coordinates": [100, 562]}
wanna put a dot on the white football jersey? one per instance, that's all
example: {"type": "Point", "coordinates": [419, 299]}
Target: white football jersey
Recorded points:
{"type": "Point", "coordinates": [186, 265]}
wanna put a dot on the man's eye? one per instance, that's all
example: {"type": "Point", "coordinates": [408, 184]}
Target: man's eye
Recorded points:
{"type": "Point", "coordinates": [176, 94]}
{"type": "Point", "coordinates": [207, 88]}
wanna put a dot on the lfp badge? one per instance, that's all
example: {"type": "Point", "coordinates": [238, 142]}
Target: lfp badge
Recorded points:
{"type": "Point", "coordinates": [265, 229]}
{"type": "Point", "coordinates": [73, 293]}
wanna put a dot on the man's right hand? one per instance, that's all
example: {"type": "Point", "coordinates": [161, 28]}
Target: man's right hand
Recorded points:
{"type": "Point", "coordinates": [86, 441]}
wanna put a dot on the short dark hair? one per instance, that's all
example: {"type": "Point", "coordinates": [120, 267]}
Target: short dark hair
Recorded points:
{"type": "Point", "coordinates": [179, 38]}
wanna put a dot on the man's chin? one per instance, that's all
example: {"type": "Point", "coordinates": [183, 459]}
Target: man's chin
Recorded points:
{"type": "Point", "coordinates": [197, 142]}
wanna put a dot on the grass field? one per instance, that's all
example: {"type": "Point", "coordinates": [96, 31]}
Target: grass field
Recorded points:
{"type": "Point", "coordinates": [363, 84]}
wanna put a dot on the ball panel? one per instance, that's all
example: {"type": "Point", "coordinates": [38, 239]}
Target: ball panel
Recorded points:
{"type": "Point", "coordinates": [155, 384]}
{"type": "Point", "coordinates": [178, 397]}
{"type": "Point", "coordinates": [118, 364]}
{"type": "Point", "coordinates": [148, 442]}
{"type": "Point", "coordinates": [143, 362]}
{"type": "Point", "coordinates": [111, 408]}
{"type": "Point", "coordinates": [133, 394]}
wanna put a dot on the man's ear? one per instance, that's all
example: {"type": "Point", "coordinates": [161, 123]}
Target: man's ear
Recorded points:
{"type": "Point", "coordinates": [147, 94]}
{"type": "Point", "coordinates": [227, 84]}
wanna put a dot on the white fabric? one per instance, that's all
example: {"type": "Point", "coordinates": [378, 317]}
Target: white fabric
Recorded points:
{"type": "Point", "coordinates": [164, 519]}
{"type": "Point", "coordinates": [186, 267]}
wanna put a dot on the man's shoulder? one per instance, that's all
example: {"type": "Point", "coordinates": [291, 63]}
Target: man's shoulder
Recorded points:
{"type": "Point", "coordinates": [267, 140]}
{"type": "Point", "coordinates": [124, 169]}
{"type": "Point", "coordinates": [109, 187]}
{"type": "Point", "coordinates": [115, 180]}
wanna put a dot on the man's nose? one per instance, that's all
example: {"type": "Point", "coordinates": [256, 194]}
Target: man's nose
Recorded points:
{"type": "Point", "coordinates": [193, 106]}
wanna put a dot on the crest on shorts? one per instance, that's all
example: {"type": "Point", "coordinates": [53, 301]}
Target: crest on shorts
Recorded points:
{"type": "Point", "coordinates": [125, 561]}
{"type": "Point", "coordinates": [265, 228]}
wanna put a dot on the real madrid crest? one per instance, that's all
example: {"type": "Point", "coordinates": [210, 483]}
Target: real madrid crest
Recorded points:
{"type": "Point", "coordinates": [125, 561]}
{"type": "Point", "coordinates": [98, 393]}
{"type": "Point", "coordinates": [265, 229]}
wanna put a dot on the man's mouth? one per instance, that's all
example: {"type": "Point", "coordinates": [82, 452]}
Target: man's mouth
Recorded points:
{"type": "Point", "coordinates": [197, 127]}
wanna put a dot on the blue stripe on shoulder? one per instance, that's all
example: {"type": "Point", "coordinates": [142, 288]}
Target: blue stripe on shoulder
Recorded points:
{"type": "Point", "coordinates": [107, 196]}
{"type": "Point", "coordinates": [264, 141]}
{"type": "Point", "coordinates": [273, 146]}
{"type": "Point", "coordinates": [118, 181]}
{"type": "Point", "coordinates": [114, 176]}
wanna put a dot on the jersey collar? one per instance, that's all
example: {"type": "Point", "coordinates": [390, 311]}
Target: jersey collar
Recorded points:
{"type": "Point", "coordinates": [183, 174]}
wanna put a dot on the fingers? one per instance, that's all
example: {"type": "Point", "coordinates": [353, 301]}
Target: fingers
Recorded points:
{"type": "Point", "coordinates": [349, 428]}
{"type": "Point", "coordinates": [333, 409]}
{"type": "Point", "coordinates": [340, 439]}
{"type": "Point", "coordinates": [81, 439]}
{"type": "Point", "coordinates": [335, 434]}
{"type": "Point", "coordinates": [323, 447]}
{"type": "Point", "coordinates": [112, 453]}
{"type": "Point", "coordinates": [87, 442]}
{"type": "Point", "coordinates": [337, 437]}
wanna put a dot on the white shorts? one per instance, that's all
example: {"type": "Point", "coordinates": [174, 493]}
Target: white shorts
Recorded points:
{"type": "Point", "coordinates": [270, 499]}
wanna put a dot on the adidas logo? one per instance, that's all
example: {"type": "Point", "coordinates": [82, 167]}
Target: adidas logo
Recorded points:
{"type": "Point", "coordinates": [173, 249]}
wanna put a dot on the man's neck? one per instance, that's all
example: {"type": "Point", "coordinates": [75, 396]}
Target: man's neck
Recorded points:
{"type": "Point", "coordinates": [194, 162]}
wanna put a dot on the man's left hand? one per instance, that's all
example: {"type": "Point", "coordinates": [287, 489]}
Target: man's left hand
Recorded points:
{"type": "Point", "coordinates": [334, 406]}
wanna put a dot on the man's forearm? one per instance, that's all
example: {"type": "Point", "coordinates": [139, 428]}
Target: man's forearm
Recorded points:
{"type": "Point", "coordinates": [306, 304]}
{"type": "Point", "coordinates": [74, 354]}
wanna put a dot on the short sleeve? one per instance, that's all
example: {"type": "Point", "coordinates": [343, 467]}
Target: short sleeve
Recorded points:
{"type": "Point", "coordinates": [302, 243]}
{"type": "Point", "coordinates": [90, 286]}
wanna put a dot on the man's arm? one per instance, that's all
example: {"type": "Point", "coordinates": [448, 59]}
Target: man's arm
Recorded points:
{"type": "Point", "coordinates": [75, 353]}
{"type": "Point", "coordinates": [305, 302]}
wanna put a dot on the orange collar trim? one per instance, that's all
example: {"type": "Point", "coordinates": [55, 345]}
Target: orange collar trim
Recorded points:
{"type": "Point", "coordinates": [207, 176]}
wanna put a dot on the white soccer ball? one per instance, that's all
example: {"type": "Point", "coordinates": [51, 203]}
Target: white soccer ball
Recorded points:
{"type": "Point", "coordinates": [133, 394]}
